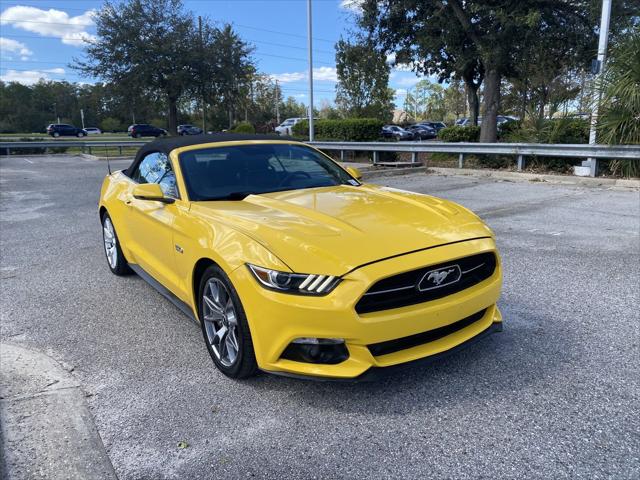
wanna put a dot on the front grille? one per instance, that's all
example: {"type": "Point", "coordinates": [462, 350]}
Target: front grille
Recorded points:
{"type": "Point", "coordinates": [391, 346]}
{"type": "Point", "coordinates": [418, 286]}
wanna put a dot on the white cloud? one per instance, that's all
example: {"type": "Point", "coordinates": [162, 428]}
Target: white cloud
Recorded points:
{"type": "Point", "coordinates": [327, 74]}
{"type": "Point", "coordinates": [351, 5]}
{"type": "Point", "coordinates": [29, 77]}
{"type": "Point", "coordinates": [321, 74]}
{"type": "Point", "coordinates": [50, 23]}
{"type": "Point", "coordinates": [9, 47]}
{"type": "Point", "coordinates": [288, 77]}
{"type": "Point", "coordinates": [401, 91]}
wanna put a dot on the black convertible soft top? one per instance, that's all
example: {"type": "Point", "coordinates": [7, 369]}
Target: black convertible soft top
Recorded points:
{"type": "Point", "coordinates": [166, 145]}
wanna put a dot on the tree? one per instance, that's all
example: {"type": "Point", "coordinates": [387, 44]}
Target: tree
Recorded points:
{"type": "Point", "coordinates": [141, 45]}
{"type": "Point", "coordinates": [619, 120]}
{"type": "Point", "coordinates": [230, 74]}
{"type": "Point", "coordinates": [363, 81]}
{"type": "Point", "coordinates": [454, 100]}
{"type": "Point", "coordinates": [476, 39]}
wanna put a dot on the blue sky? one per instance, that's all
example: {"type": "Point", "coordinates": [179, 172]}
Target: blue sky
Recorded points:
{"type": "Point", "coordinates": [39, 38]}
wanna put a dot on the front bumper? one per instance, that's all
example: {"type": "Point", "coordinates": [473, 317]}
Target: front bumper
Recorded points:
{"type": "Point", "coordinates": [276, 319]}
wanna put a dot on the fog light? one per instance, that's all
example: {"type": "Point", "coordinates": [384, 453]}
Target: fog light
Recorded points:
{"type": "Point", "coordinates": [317, 350]}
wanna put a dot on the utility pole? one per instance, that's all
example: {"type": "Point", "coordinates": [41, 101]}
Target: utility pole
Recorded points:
{"type": "Point", "coordinates": [599, 67]}
{"type": "Point", "coordinates": [204, 105]}
{"type": "Point", "coordinates": [277, 103]}
{"type": "Point", "coordinates": [82, 117]}
{"type": "Point", "coordinates": [310, 48]}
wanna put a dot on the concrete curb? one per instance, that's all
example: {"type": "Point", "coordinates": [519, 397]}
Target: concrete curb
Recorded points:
{"type": "Point", "coordinates": [539, 177]}
{"type": "Point", "coordinates": [47, 430]}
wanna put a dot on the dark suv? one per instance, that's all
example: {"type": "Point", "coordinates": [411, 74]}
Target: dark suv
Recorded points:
{"type": "Point", "coordinates": [189, 130]}
{"type": "Point", "coordinates": [64, 130]}
{"type": "Point", "coordinates": [145, 130]}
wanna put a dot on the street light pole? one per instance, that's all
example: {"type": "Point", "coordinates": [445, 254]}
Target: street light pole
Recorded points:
{"type": "Point", "coordinates": [310, 48]}
{"type": "Point", "coordinates": [602, 56]}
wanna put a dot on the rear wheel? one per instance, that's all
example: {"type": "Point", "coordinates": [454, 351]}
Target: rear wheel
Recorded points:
{"type": "Point", "coordinates": [115, 258]}
{"type": "Point", "coordinates": [224, 325]}
{"type": "Point", "coordinates": [137, 135]}
{"type": "Point", "coordinates": [56, 134]}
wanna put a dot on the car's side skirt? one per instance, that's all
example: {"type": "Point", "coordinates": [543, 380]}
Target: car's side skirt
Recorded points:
{"type": "Point", "coordinates": [184, 308]}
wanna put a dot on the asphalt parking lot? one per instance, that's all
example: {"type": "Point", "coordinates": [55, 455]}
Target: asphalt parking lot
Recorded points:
{"type": "Point", "coordinates": [556, 395]}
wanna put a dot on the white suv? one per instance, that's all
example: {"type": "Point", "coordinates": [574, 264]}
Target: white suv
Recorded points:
{"type": "Point", "coordinates": [286, 127]}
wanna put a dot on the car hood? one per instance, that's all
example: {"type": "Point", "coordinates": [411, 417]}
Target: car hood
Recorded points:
{"type": "Point", "coordinates": [333, 230]}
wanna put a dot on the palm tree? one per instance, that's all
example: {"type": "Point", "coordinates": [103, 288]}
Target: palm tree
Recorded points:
{"type": "Point", "coordinates": [619, 122]}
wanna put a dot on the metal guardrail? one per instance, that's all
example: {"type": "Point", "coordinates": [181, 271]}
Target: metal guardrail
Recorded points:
{"type": "Point", "coordinates": [520, 150]}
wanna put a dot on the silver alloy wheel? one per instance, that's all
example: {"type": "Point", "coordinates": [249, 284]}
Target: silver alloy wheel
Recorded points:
{"type": "Point", "coordinates": [110, 248]}
{"type": "Point", "coordinates": [220, 321]}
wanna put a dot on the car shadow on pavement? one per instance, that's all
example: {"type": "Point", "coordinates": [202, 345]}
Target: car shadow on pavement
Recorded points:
{"type": "Point", "coordinates": [526, 355]}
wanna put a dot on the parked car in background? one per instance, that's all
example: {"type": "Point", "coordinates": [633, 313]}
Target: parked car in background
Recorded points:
{"type": "Point", "coordinates": [286, 127]}
{"type": "Point", "coordinates": [394, 131]}
{"type": "Point", "coordinates": [189, 130]}
{"type": "Point", "coordinates": [145, 130]}
{"type": "Point", "coordinates": [437, 126]}
{"type": "Point", "coordinates": [501, 119]}
{"type": "Point", "coordinates": [64, 130]}
{"type": "Point", "coordinates": [92, 131]}
{"type": "Point", "coordinates": [422, 132]}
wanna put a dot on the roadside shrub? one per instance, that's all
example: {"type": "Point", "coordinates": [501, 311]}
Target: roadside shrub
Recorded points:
{"type": "Point", "coordinates": [567, 130]}
{"type": "Point", "coordinates": [459, 134]}
{"type": "Point", "coordinates": [345, 130]}
{"type": "Point", "coordinates": [111, 124]}
{"type": "Point", "coordinates": [243, 127]}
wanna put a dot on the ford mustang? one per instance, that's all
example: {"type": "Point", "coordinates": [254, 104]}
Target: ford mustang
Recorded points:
{"type": "Point", "coordinates": [291, 264]}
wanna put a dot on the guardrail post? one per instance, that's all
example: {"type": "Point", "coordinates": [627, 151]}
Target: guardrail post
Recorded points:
{"type": "Point", "coordinates": [120, 150]}
{"type": "Point", "coordinates": [46, 150]}
{"type": "Point", "coordinates": [520, 162]}
{"type": "Point", "coordinates": [342, 155]}
{"type": "Point", "coordinates": [89, 150]}
{"type": "Point", "coordinates": [594, 167]}
{"type": "Point", "coordinates": [414, 157]}
{"type": "Point", "coordinates": [8, 151]}
{"type": "Point", "coordinates": [375, 157]}
{"type": "Point", "coordinates": [461, 160]}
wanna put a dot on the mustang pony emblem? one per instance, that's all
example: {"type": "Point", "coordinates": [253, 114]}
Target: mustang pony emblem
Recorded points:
{"type": "Point", "coordinates": [439, 277]}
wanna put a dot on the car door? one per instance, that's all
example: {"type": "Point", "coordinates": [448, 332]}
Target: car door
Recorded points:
{"type": "Point", "coordinates": [150, 223]}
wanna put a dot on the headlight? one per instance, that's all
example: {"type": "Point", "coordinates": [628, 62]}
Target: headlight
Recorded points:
{"type": "Point", "coordinates": [300, 283]}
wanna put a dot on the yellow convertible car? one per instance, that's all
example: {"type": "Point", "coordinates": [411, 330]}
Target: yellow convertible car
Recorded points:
{"type": "Point", "coordinates": [291, 264]}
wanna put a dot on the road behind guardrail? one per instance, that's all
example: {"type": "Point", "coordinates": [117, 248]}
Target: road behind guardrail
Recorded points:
{"type": "Point", "coordinates": [520, 150]}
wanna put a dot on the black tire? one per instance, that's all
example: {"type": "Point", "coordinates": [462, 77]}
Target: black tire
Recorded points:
{"type": "Point", "coordinates": [245, 364]}
{"type": "Point", "coordinates": [80, 134]}
{"type": "Point", "coordinates": [121, 266]}
{"type": "Point", "coordinates": [137, 135]}
{"type": "Point", "coordinates": [55, 134]}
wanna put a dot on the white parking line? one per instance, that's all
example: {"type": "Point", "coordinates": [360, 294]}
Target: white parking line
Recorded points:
{"type": "Point", "coordinates": [26, 160]}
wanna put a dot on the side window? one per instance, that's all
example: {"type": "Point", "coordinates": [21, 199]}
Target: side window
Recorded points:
{"type": "Point", "coordinates": [156, 168]}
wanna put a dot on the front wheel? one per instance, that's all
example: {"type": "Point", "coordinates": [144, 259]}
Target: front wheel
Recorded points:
{"type": "Point", "coordinates": [224, 325]}
{"type": "Point", "coordinates": [55, 134]}
{"type": "Point", "coordinates": [115, 258]}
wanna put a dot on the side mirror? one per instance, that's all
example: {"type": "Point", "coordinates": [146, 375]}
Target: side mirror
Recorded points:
{"type": "Point", "coordinates": [355, 173]}
{"type": "Point", "coordinates": [151, 191]}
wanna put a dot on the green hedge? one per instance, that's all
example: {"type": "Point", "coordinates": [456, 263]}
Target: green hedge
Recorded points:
{"type": "Point", "coordinates": [243, 127]}
{"type": "Point", "coordinates": [459, 134]}
{"type": "Point", "coordinates": [347, 130]}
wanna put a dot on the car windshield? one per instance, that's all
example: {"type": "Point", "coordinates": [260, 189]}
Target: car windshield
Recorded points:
{"type": "Point", "coordinates": [232, 173]}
